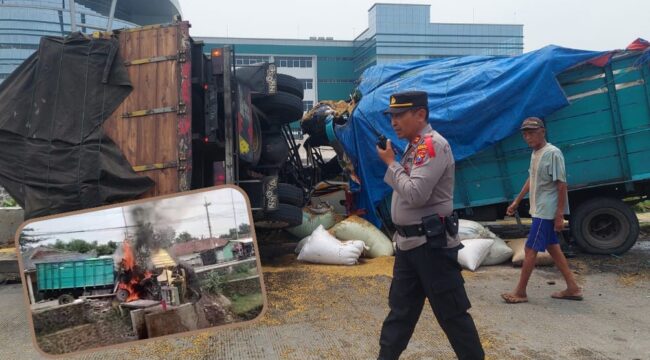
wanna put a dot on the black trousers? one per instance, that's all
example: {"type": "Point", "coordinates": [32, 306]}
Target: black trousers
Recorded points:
{"type": "Point", "coordinates": [434, 274]}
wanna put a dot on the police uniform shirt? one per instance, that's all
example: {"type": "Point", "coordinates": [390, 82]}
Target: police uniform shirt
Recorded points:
{"type": "Point", "coordinates": [423, 184]}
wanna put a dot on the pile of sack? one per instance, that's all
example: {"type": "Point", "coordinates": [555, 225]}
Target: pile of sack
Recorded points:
{"type": "Point", "coordinates": [344, 243]}
{"type": "Point", "coordinates": [483, 247]}
{"type": "Point", "coordinates": [326, 242]}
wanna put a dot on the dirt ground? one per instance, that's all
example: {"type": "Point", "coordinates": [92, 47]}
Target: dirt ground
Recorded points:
{"type": "Point", "coordinates": [333, 312]}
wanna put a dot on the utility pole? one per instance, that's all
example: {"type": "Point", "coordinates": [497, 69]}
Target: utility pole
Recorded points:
{"type": "Point", "coordinates": [207, 214]}
{"type": "Point", "coordinates": [234, 213]}
{"type": "Point", "coordinates": [73, 16]}
{"type": "Point", "coordinates": [126, 226]}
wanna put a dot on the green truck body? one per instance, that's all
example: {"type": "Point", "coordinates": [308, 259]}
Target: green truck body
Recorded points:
{"type": "Point", "coordinates": [75, 274]}
{"type": "Point", "coordinates": [605, 136]}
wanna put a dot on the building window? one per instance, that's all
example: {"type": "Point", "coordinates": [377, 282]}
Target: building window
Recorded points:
{"type": "Point", "coordinates": [307, 105]}
{"type": "Point", "coordinates": [335, 58]}
{"type": "Point", "coordinates": [307, 84]}
{"type": "Point", "coordinates": [337, 81]}
{"type": "Point", "coordinates": [244, 60]}
{"type": "Point", "coordinates": [293, 61]}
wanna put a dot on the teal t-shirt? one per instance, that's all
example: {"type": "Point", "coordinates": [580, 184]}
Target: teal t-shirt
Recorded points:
{"type": "Point", "coordinates": [546, 167]}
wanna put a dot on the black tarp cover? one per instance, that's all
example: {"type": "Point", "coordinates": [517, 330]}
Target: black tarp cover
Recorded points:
{"type": "Point", "coordinates": [54, 154]}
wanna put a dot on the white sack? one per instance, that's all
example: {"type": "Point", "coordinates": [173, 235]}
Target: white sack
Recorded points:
{"type": "Point", "coordinates": [321, 247]}
{"type": "Point", "coordinates": [474, 252]}
{"type": "Point", "coordinates": [499, 253]}
{"type": "Point", "coordinates": [468, 229]}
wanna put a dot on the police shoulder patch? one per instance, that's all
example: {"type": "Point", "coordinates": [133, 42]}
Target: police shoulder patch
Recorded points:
{"type": "Point", "coordinates": [421, 156]}
{"type": "Point", "coordinates": [431, 148]}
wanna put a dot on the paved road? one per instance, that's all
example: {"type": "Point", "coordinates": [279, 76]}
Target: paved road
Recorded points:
{"type": "Point", "coordinates": [327, 312]}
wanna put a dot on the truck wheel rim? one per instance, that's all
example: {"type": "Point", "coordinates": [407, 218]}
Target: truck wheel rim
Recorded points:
{"type": "Point", "coordinates": [606, 228]}
{"type": "Point", "coordinates": [122, 295]}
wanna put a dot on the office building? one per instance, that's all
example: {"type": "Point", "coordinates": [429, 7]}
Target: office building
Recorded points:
{"type": "Point", "coordinates": [329, 68]}
{"type": "Point", "coordinates": [23, 22]}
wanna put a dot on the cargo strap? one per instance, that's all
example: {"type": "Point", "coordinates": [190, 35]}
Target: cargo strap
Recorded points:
{"type": "Point", "coordinates": [180, 57]}
{"type": "Point", "coordinates": [180, 109]}
{"type": "Point", "coordinates": [147, 27]}
{"type": "Point", "coordinates": [159, 166]}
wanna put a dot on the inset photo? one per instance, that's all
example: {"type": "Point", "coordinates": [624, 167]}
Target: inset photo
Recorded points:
{"type": "Point", "coordinates": [143, 270]}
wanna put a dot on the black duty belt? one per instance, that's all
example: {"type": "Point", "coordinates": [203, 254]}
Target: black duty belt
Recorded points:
{"type": "Point", "coordinates": [410, 230]}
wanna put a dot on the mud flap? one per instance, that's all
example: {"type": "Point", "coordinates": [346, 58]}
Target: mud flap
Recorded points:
{"type": "Point", "coordinates": [271, 201]}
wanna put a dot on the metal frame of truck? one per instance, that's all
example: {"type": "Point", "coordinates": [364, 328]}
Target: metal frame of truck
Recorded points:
{"type": "Point", "coordinates": [221, 127]}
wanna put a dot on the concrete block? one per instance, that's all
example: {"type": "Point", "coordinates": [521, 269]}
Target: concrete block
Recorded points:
{"type": "Point", "coordinates": [138, 323]}
{"type": "Point", "coordinates": [202, 321]}
{"type": "Point", "coordinates": [10, 220]}
{"type": "Point", "coordinates": [173, 321]}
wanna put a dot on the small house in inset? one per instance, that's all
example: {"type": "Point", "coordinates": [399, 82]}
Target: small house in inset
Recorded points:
{"type": "Point", "coordinates": [243, 248]}
{"type": "Point", "coordinates": [210, 251]}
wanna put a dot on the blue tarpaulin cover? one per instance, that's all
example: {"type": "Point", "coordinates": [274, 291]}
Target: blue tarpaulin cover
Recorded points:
{"type": "Point", "coordinates": [474, 102]}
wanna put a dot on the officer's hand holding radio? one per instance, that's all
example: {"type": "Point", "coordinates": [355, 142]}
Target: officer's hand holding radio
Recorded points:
{"type": "Point", "coordinates": [385, 150]}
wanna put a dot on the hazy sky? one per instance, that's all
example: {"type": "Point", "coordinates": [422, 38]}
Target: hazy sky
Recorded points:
{"type": "Point", "coordinates": [590, 25]}
{"type": "Point", "coordinates": [183, 213]}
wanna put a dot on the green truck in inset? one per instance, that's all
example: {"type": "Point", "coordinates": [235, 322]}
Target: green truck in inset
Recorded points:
{"type": "Point", "coordinates": [67, 280]}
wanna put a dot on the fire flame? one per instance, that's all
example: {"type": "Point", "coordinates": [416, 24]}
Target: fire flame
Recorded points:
{"type": "Point", "coordinates": [128, 261]}
{"type": "Point", "coordinates": [128, 264]}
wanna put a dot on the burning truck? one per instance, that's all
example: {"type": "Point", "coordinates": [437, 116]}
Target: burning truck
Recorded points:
{"type": "Point", "coordinates": [147, 274]}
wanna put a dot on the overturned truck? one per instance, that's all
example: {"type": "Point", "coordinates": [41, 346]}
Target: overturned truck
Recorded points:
{"type": "Point", "coordinates": [94, 120]}
{"type": "Point", "coordinates": [597, 111]}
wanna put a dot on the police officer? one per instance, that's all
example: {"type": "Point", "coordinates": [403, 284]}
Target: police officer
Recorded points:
{"type": "Point", "coordinates": [427, 242]}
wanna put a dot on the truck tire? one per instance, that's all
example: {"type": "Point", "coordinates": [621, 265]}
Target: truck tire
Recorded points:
{"type": "Point", "coordinates": [281, 108]}
{"type": "Point", "coordinates": [291, 85]}
{"type": "Point", "coordinates": [65, 299]}
{"type": "Point", "coordinates": [122, 294]}
{"type": "Point", "coordinates": [605, 226]}
{"type": "Point", "coordinates": [275, 149]}
{"type": "Point", "coordinates": [290, 194]}
{"type": "Point", "coordinates": [285, 216]}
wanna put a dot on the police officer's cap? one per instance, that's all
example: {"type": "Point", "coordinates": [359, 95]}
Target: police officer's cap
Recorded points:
{"type": "Point", "coordinates": [404, 101]}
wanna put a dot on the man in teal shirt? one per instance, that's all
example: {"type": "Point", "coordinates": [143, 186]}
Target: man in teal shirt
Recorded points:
{"type": "Point", "coordinates": [548, 204]}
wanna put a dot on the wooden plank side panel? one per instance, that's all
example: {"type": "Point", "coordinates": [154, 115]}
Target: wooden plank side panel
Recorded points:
{"type": "Point", "coordinates": [164, 180]}
{"type": "Point", "coordinates": [150, 139]}
{"type": "Point", "coordinates": [167, 96]}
